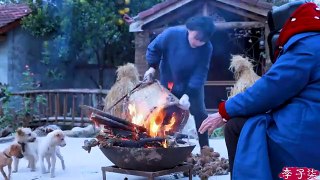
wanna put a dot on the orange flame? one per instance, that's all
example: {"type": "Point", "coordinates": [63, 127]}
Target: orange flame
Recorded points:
{"type": "Point", "coordinates": [165, 143]}
{"type": "Point", "coordinates": [171, 123]}
{"type": "Point", "coordinates": [136, 118]}
{"type": "Point", "coordinates": [170, 85]}
{"type": "Point", "coordinates": [154, 124]}
{"type": "Point", "coordinates": [96, 125]}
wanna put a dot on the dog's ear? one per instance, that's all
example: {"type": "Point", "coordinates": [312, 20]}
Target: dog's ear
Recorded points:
{"type": "Point", "coordinates": [20, 132]}
{"type": "Point", "coordinates": [15, 147]}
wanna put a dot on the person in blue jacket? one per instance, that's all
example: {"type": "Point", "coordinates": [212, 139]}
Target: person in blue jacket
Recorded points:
{"type": "Point", "coordinates": [183, 55]}
{"type": "Point", "coordinates": [276, 122]}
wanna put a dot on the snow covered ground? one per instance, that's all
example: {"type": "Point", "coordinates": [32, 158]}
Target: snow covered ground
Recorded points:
{"type": "Point", "coordinates": [83, 166]}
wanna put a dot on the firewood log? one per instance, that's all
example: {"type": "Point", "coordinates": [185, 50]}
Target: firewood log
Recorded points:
{"type": "Point", "coordinates": [114, 118]}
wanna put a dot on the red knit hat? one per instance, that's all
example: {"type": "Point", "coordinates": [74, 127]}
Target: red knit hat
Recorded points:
{"type": "Point", "coordinates": [305, 18]}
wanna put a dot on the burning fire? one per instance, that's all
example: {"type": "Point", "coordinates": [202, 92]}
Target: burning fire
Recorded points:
{"type": "Point", "coordinates": [156, 122]}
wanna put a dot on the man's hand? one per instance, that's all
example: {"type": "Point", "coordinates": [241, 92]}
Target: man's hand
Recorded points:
{"type": "Point", "coordinates": [184, 102]}
{"type": "Point", "coordinates": [149, 74]}
{"type": "Point", "coordinates": [212, 122]}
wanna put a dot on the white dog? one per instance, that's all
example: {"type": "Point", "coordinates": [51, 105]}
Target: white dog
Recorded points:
{"type": "Point", "coordinates": [49, 149]}
{"type": "Point", "coordinates": [29, 143]}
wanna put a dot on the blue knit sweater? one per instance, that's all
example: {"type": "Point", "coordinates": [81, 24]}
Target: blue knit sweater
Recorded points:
{"type": "Point", "coordinates": [178, 62]}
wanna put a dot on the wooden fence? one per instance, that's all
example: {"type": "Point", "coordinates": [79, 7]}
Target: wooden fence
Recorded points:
{"type": "Point", "coordinates": [62, 106]}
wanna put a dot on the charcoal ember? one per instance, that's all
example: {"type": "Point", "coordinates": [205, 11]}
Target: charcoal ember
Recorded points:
{"type": "Point", "coordinates": [146, 142]}
{"type": "Point", "coordinates": [125, 143]}
{"type": "Point", "coordinates": [120, 133]}
{"type": "Point", "coordinates": [107, 130]}
{"type": "Point", "coordinates": [153, 142]}
{"type": "Point", "coordinates": [103, 137]}
{"type": "Point", "coordinates": [143, 135]}
{"type": "Point", "coordinates": [124, 138]}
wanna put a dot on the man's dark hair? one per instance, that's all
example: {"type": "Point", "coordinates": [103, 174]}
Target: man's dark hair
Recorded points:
{"type": "Point", "coordinates": [204, 25]}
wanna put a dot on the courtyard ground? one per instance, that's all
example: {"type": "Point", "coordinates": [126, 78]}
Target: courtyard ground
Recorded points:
{"type": "Point", "coordinates": [83, 166]}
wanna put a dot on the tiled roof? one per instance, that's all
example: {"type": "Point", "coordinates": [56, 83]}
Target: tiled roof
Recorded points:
{"type": "Point", "coordinates": [156, 8]}
{"type": "Point", "coordinates": [256, 3]}
{"type": "Point", "coordinates": [11, 12]}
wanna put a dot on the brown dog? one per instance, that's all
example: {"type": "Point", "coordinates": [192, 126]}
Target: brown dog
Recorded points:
{"type": "Point", "coordinates": [6, 158]}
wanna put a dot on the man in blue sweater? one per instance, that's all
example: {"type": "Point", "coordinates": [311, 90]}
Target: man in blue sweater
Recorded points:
{"type": "Point", "coordinates": [183, 55]}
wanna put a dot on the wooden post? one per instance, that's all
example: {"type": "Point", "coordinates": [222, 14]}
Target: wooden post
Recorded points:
{"type": "Point", "coordinates": [104, 176]}
{"type": "Point", "coordinates": [47, 107]}
{"type": "Point", "coordinates": [74, 98]}
{"type": "Point", "coordinates": [50, 104]}
{"type": "Point", "coordinates": [38, 104]}
{"type": "Point", "coordinates": [81, 112]}
{"type": "Point", "coordinates": [141, 43]}
{"type": "Point", "coordinates": [90, 100]}
{"type": "Point", "coordinates": [65, 106]}
{"type": "Point", "coordinates": [57, 107]}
